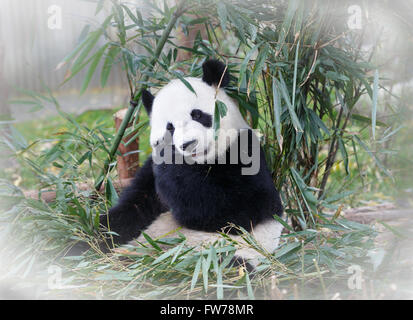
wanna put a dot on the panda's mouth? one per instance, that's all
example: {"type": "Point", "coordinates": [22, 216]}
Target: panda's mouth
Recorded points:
{"type": "Point", "coordinates": [198, 154]}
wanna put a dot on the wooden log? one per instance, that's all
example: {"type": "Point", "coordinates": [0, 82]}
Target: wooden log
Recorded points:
{"type": "Point", "coordinates": [127, 166]}
{"type": "Point", "coordinates": [187, 40]}
{"type": "Point", "coordinates": [127, 163]}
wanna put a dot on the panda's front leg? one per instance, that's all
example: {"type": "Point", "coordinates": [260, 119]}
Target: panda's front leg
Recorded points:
{"type": "Point", "coordinates": [137, 208]}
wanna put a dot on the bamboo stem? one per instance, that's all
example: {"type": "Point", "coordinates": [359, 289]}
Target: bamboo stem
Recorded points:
{"type": "Point", "coordinates": [137, 94]}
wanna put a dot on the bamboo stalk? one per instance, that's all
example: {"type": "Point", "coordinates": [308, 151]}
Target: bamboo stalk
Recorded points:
{"type": "Point", "coordinates": [137, 94]}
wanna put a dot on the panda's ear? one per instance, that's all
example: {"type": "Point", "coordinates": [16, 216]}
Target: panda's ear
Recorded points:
{"type": "Point", "coordinates": [147, 99]}
{"type": "Point", "coordinates": [213, 72]}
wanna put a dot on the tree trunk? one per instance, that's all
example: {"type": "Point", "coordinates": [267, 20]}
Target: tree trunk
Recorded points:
{"type": "Point", "coordinates": [127, 163]}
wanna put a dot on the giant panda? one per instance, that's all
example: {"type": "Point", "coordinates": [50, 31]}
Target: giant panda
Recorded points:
{"type": "Point", "coordinates": [203, 187]}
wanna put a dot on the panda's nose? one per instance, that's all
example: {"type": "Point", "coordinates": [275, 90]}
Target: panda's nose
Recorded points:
{"type": "Point", "coordinates": [190, 144]}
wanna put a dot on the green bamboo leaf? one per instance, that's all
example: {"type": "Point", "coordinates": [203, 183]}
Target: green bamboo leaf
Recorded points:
{"type": "Point", "coordinates": [99, 6]}
{"type": "Point", "coordinates": [85, 156]}
{"type": "Point", "coordinates": [295, 72]}
{"type": "Point", "coordinates": [220, 287]}
{"type": "Point", "coordinates": [151, 242]}
{"type": "Point", "coordinates": [259, 65]}
{"type": "Point", "coordinates": [286, 96]}
{"type": "Point", "coordinates": [249, 287]}
{"type": "Point", "coordinates": [357, 160]}
{"type": "Point", "coordinates": [309, 199]}
{"type": "Point", "coordinates": [93, 65]}
{"type": "Point", "coordinates": [319, 122]}
{"type": "Point", "coordinates": [196, 273]}
{"type": "Point", "coordinates": [277, 111]}
{"type": "Point", "coordinates": [131, 15]}
{"type": "Point", "coordinates": [286, 25]}
{"type": "Point", "coordinates": [374, 106]}
{"type": "Point", "coordinates": [120, 20]}
{"type": "Point", "coordinates": [184, 81]}
{"type": "Point", "coordinates": [165, 255]}
{"type": "Point", "coordinates": [361, 118]}
{"type": "Point", "coordinates": [344, 154]}
{"type": "Point", "coordinates": [111, 193]}
{"type": "Point", "coordinates": [220, 112]}
{"type": "Point", "coordinates": [107, 65]}
{"type": "Point", "coordinates": [285, 224]}
{"type": "Point", "coordinates": [222, 15]}
{"type": "Point", "coordinates": [378, 162]}
{"type": "Point", "coordinates": [244, 64]}
{"type": "Point", "coordinates": [237, 23]}
{"type": "Point", "coordinates": [76, 50]}
{"type": "Point", "coordinates": [197, 21]}
{"type": "Point", "coordinates": [91, 41]}
{"type": "Point", "coordinates": [205, 269]}
{"type": "Point", "coordinates": [339, 196]}
{"type": "Point", "coordinates": [288, 248]}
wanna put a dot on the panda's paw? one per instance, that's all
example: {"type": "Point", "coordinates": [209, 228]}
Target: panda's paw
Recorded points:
{"type": "Point", "coordinates": [82, 247]}
{"type": "Point", "coordinates": [78, 249]}
{"type": "Point", "coordinates": [238, 261]}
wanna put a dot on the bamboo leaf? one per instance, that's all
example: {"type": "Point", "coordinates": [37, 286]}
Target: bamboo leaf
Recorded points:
{"type": "Point", "coordinates": [92, 68]}
{"type": "Point", "coordinates": [107, 65]}
{"type": "Point", "coordinates": [151, 242]}
{"type": "Point", "coordinates": [285, 224]}
{"type": "Point", "coordinates": [277, 111]}
{"type": "Point", "coordinates": [286, 96]}
{"type": "Point", "coordinates": [378, 162]}
{"type": "Point", "coordinates": [111, 193]}
{"type": "Point", "coordinates": [250, 291]}
{"type": "Point", "coordinates": [258, 67]}
{"type": "Point", "coordinates": [361, 118]}
{"type": "Point", "coordinates": [374, 106]}
{"type": "Point", "coordinates": [220, 112]}
{"type": "Point", "coordinates": [343, 154]}
{"type": "Point", "coordinates": [244, 64]}
{"type": "Point", "coordinates": [166, 255]}
{"type": "Point", "coordinates": [88, 46]}
{"type": "Point", "coordinates": [195, 275]}
{"type": "Point", "coordinates": [222, 14]}
{"type": "Point", "coordinates": [295, 72]}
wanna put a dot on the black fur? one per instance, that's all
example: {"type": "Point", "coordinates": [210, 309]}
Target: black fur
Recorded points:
{"type": "Point", "coordinates": [171, 129]}
{"type": "Point", "coordinates": [147, 99]}
{"type": "Point", "coordinates": [213, 70]}
{"type": "Point", "coordinates": [137, 208]}
{"type": "Point", "coordinates": [200, 196]}
{"type": "Point", "coordinates": [237, 261]}
{"type": "Point", "coordinates": [209, 197]}
{"type": "Point", "coordinates": [202, 117]}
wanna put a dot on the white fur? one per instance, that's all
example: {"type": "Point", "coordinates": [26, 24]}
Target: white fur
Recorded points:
{"type": "Point", "coordinates": [174, 103]}
{"type": "Point", "coordinates": [267, 234]}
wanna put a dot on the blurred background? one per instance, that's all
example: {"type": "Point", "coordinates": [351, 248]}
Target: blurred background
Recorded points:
{"type": "Point", "coordinates": [54, 121]}
{"type": "Point", "coordinates": [35, 37]}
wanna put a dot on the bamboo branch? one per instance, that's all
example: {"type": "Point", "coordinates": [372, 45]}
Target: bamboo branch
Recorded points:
{"type": "Point", "coordinates": [180, 9]}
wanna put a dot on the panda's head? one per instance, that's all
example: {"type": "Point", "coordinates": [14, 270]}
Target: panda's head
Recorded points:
{"type": "Point", "coordinates": [181, 118]}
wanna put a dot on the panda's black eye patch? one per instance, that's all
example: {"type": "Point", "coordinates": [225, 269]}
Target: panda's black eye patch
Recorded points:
{"type": "Point", "coordinates": [170, 127]}
{"type": "Point", "coordinates": [203, 118]}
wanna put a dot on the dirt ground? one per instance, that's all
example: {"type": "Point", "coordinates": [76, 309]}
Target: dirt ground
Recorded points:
{"type": "Point", "coordinates": [393, 259]}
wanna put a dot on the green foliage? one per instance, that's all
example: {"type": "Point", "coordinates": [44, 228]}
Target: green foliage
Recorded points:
{"type": "Point", "coordinates": [300, 77]}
